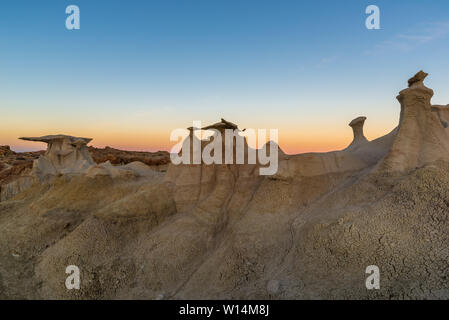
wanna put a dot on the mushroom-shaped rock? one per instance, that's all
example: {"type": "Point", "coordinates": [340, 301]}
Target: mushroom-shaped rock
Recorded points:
{"type": "Point", "coordinates": [220, 126]}
{"type": "Point", "coordinates": [65, 154]}
{"type": "Point", "coordinates": [357, 129]}
{"type": "Point", "coordinates": [54, 137]}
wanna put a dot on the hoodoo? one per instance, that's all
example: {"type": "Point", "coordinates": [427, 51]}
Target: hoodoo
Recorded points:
{"type": "Point", "coordinates": [65, 154]}
{"type": "Point", "coordinates": [357, 129]}
{"type": "Point", "coordinates": [422, 137]}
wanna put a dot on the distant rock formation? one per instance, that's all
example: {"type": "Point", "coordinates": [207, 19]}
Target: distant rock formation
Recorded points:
{"type": "Point", "coordinates": [443, 114]}
{"type": "Point", "coordinates": [5, 151]}
{"type": "Point", "coordinates": [417, 79]}
{"type": "Point", "coordinates": [420, 138]}
{"type": "Point", "coordinates": [65, 154]}
{"type": "Point", "coordinates": [157, 160]}
{"type": "Point", "coordinates": [221, 126]}
{"type": "Point", "coordinates": [15, 171]}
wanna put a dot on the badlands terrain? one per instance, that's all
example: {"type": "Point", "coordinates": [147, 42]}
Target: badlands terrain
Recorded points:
{"type": "Point", "coordinates": [141, 227]}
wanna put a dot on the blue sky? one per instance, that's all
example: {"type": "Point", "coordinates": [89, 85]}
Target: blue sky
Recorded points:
{"type": "Point", "coordinates": [138, 69]}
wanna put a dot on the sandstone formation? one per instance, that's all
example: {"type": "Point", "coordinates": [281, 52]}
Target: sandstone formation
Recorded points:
{"type": "Point", "coordinates": [422, 136]}
{"type": "Point", "coordinates": [65, 154]}
{"type": "Point", "coordinates": [157, 160]}
{"type": "Point", "coordinates": [357, 130]}
{"type": "Point", "coordinates": [68, 155]}
{"type": "Point", "coordinates": [223, 231]}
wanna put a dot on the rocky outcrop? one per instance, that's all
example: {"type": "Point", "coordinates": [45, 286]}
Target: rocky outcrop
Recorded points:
{"type": "Point", "coordinates": [421, 138]}
{"type": "Point", "coordinates": [15, 171]}
{"type": "Point", "coordinates": [422, 135]}
{"type": "Point", "coordinates": [158, 160]}
{"type": "Point", "coordinates": [69, 155]}
{"type": "Point", "coordinates": [131, 170]}
{"type": "Point", "coordinates": [360, 154]}
{"type": "Point", "coordinates": [65, 154]}
{"type": "Point", "coordinates": [197, 185]}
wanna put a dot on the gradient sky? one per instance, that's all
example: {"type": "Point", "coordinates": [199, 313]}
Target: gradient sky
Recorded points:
{"type": "Point", "coordinates": [138, 69]}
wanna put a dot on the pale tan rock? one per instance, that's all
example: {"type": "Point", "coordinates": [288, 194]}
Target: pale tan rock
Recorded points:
{"type": "Point", "coordinates": [107, 169]}
{"type": "Point", "coordinates": [357, 129]}
{"type": "Point", "coordinates": [213, 184]}
{"type": "Point", "coordinates": [360, 154]}
{"type": "Point", "coordinates": [222, 125]}
{"type": "Point", "coordinates": [422, 137]}
{"type": "Point", "coordinates": [158, 160]}
{"type": "Point", "coordinates": [442, 113]}
{"type": "Point", "coordinates": [65, 154]}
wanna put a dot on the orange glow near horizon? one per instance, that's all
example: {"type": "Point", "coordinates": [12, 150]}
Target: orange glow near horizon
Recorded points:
{"type": "Point", "coordinates": [291, 140]}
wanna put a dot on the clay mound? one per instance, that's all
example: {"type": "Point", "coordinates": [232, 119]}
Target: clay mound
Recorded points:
{"type": "Point", "coordinates": [360, 154]}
